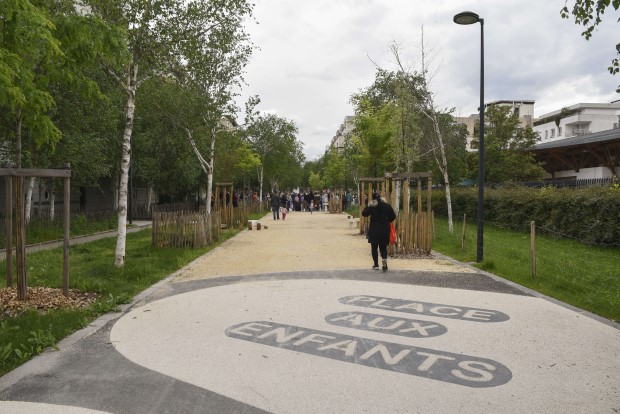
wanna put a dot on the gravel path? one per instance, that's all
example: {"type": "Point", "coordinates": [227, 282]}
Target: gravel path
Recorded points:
{"type": "Point", "coordinates": [302, 242]}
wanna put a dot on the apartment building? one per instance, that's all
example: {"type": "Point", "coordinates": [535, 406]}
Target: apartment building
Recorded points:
{"type": "Point", "coordinates": [343, 133]}
{"type": "Point", "coordinates": [523, 108]}
{"type": "Point", "coordinates": [578, 120]}
{"type": "Point", "coordinates": [581, 141]}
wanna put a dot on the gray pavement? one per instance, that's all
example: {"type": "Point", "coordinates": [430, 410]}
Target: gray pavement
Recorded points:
{"type": "Point", "coordinates": [330, 341]}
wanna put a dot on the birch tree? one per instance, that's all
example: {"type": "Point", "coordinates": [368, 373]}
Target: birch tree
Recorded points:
{"type": "Point", "coordinates": [436, 136]}
{"type": "Point", "coordinates": [164, 38]}
{"type": "Point", "coordinates": [211, 75]}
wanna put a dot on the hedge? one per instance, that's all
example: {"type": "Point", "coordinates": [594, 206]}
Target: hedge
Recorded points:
{"type": "Point", "coordinates": [591, 214]}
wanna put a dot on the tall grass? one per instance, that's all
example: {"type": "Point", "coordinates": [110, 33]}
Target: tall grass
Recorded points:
{"type": "Point", "coordinates": [582, 275]}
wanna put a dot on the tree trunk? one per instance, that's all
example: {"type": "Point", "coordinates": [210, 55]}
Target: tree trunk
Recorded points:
{"type": "Point", "coordinates": [210, 164]}
{"type": "Point", "coordinates": [119, 256]}
{"type": "Point", "coordinates": [260, 193]}
{"type": "Point", "coordinates": [29, 189]}
{"type": "Point", "coordinates": [52, 204]}
{"type": "Point", "coordinates": [149, 199]}
{"type": "Point", "coordinates": [443, 167]}
{"type": "Point", "coordinates": [396, 207]}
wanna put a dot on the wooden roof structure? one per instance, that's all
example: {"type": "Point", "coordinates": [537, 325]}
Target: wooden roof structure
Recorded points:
{"type": "Point", "coordinates": [585, 151]}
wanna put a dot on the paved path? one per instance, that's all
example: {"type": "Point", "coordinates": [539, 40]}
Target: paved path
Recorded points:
{"type": "Point", "coordinates": [326, 336]}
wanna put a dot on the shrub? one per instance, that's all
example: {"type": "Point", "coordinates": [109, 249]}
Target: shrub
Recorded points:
{"type": "Point", "coordinates": [590, 214]}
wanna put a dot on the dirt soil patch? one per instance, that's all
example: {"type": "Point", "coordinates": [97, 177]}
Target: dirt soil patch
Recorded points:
{"type": "Point", "coordinates": [42, 299]}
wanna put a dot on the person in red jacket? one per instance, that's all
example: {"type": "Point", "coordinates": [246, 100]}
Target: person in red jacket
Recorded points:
{"type": "Point", "coordinates": [381, 215]}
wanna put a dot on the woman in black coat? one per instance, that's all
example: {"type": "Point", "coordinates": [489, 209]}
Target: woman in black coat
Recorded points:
{"type": "Point", "coordinates": [381, 215]}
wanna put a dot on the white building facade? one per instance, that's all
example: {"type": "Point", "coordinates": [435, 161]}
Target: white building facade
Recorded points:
{"type": "Point", "coordinates": [345, 129]}
{"type": "Point", "coordinates": [523, 108]}
{"type": "Point", "coordinates": [578, 120]}
{"type": "Point", "coordinates": [580, 142]}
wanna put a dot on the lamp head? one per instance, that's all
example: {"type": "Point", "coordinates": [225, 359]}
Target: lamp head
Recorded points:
{"type": "Point", "coordinates": [466, 17]}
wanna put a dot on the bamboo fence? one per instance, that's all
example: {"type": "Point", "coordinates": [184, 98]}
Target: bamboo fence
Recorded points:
{"type": "Point", "coordinates": [185, 229]}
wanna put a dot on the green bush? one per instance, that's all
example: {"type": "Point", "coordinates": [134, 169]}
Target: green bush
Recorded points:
{"type": "Point", "coordinates": [590, 215]}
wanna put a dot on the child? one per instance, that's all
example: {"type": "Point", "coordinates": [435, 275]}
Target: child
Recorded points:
{"type": "Point", "coordinates": [284, 211]}
{"type": "Point", "coordinates": [311, 206]}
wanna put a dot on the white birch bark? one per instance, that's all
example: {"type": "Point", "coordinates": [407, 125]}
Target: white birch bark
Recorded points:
{"type": "Point", "coordinates": [442, 163]}
{"type": "Point", "coordinates": [396, 207]}
{"type": "Point", "coordinates": [210, 172]}
{"type": "Point", "coordinates": [205, 166]}
{"type": "Point", "coordinates": [52, 205]}
{"type": "Point", "coordinates": [149, 199]}
{"type": "Point", "coordinates": [431, 113]}
{"type": "Point", "coordinates": [119, 256]}
{"type": "Point", "coordinates": [260, 192]}
{"type": "Point", "coordinates": [29, 189]}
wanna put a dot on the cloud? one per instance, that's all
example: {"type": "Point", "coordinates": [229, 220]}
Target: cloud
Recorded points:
{"type": "Point", "coordinates": [315, 54]}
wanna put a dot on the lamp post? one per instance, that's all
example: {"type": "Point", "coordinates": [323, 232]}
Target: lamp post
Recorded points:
{"type": "Point", "coordinates": [467, 18]}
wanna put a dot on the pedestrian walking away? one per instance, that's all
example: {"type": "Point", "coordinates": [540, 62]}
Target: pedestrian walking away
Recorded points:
{"type": "Point", "coordinates": [275, 206]}
{"type": "Point", "coordinates": [381, 215]}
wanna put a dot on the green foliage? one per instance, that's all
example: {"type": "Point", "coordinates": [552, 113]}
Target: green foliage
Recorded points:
{"type": "Point", "coordinates": [46, 46]}
{"type": "Point", "coordinates": [30, 52]}
{"type": "Point", "coordinates": [161, 154]}
{"type": "Point", "coordinates": [590, 215]}
{"type": "Point", "coordinates": [335, 170]}
{"type": "Point", "coordinates": [315, 181]}
{"type": "Point", "coordinates": [275, 141]}
{"type": "Point", "coordinates": [371, 143]}
{"type": "Point", "coordinates": [506, 148]}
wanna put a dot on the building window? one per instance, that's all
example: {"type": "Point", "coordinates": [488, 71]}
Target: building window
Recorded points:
{"type": "Point", "coordinates": [559, 131]}
{"type": "Point", "coordinates": [546, 134]}
{"type": "Point", "coordinates": [553, 133]}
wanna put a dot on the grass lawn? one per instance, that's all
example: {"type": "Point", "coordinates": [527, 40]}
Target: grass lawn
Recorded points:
{"type": "Point", "coordinates": [91, 269]}
{"type": "Point", "coordinates": [41, 230]}
{"type": "Point", "coordinates": [587, 277]}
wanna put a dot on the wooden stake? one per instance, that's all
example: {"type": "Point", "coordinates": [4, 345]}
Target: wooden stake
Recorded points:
{"type": "Point", "coordinates": [9, 231]}
{"type": "Point", "coordinates": [20, 251]}
{"type": "Point", "coordinates": [533, 247]}
{"type": "Point", "coordinates": [67, 230]}
{"type": "Point", "coordinates": [464, 233]}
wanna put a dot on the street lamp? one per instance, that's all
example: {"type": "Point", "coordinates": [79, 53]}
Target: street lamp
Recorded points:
{"type": "Point", "coordinates": [467, 18]}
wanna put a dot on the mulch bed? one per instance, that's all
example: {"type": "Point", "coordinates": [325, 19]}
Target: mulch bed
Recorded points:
{"type": "Point", "coordinates": [42, 299]}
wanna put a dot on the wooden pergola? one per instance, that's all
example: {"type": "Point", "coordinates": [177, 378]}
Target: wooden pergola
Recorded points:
{"type": "Point", "coordinates": [414, 228]}
{"type": "Point", "coordinates": [587, 151]}
{"type": "Point", "coordinates": [16, 176]}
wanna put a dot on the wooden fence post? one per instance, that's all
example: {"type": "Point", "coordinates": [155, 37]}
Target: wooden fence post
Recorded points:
{"type": "Point", "coordinates": [20, 242]}
{"type": "Point", "coordinates": [533, 247]}
{"type": "Point", "coordinates": [9, 231]}
{"type": "Point", "coordinates": [66, 235]}
{"type": "Point", "coordinates": [463, 244]}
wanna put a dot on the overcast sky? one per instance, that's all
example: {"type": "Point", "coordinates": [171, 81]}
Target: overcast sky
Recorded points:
{"type": "Point", "coordinates": [314, 54]}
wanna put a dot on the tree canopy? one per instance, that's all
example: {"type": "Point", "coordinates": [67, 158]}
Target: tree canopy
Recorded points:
{"type": "Point", "coordinates": [506, 144]}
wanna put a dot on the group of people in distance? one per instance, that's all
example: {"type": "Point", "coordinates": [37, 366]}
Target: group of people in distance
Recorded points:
{"type": "Point", "coordinates": [310, 201]}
